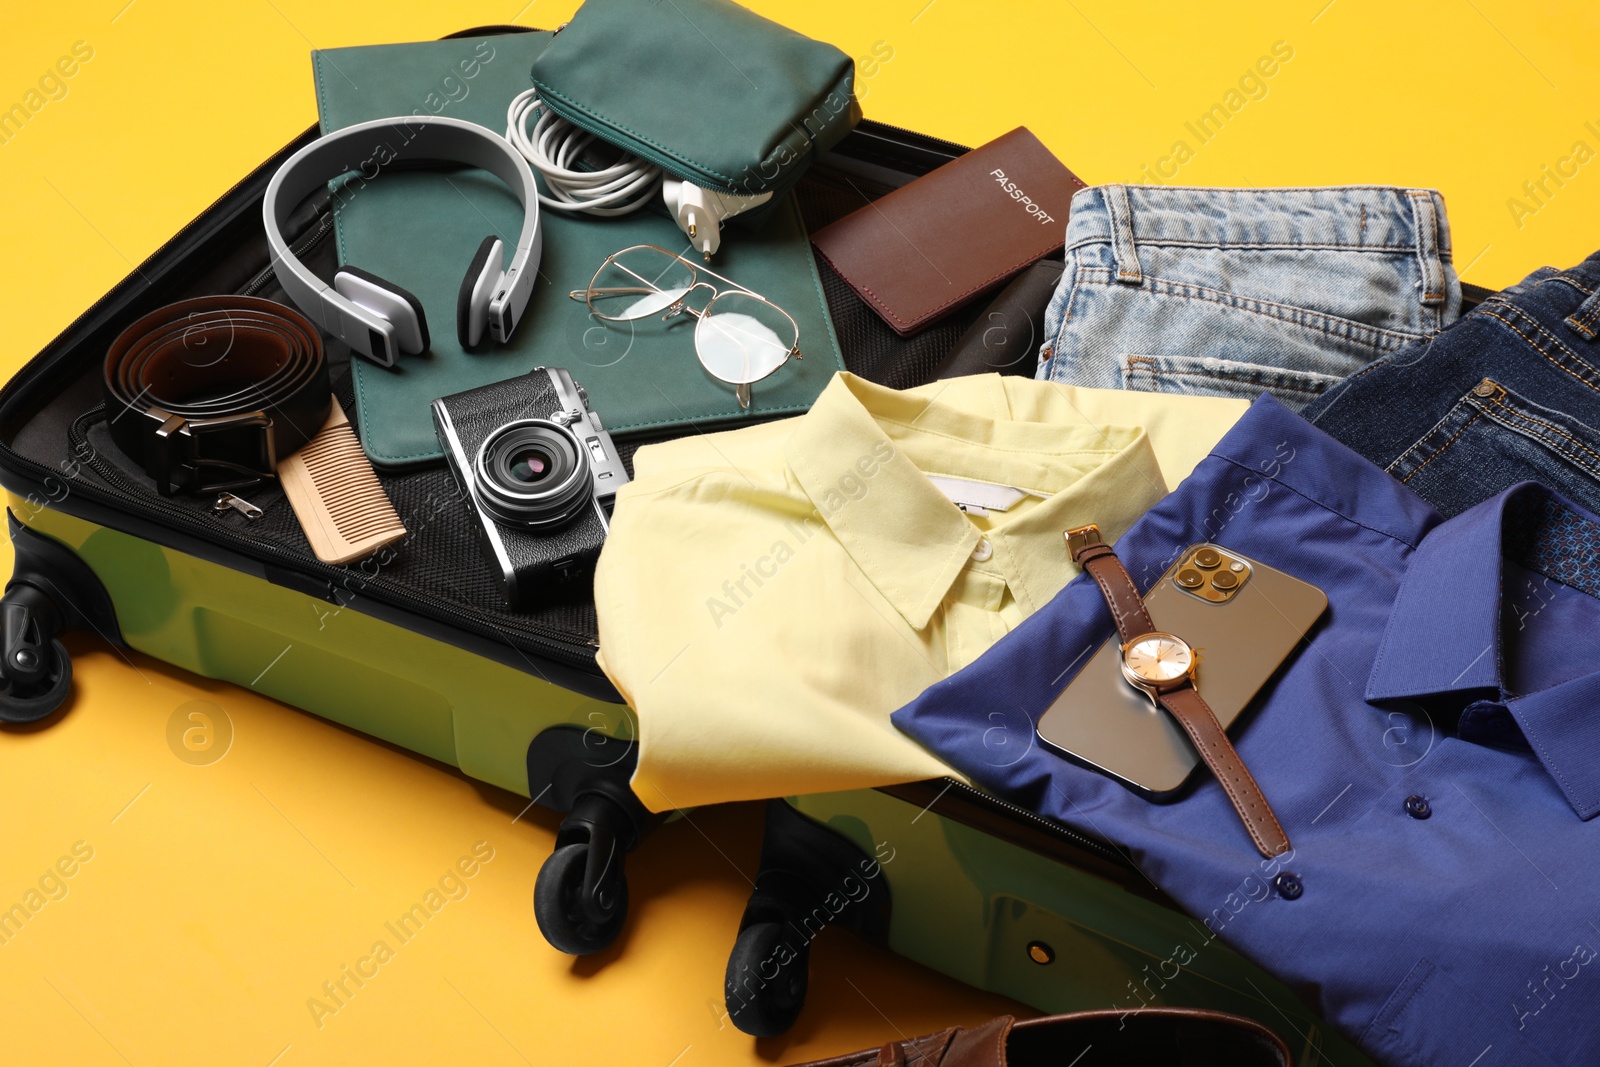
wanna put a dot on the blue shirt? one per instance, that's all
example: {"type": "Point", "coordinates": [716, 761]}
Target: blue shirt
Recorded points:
{"type": "Point", "coordinates": [1432, 749]}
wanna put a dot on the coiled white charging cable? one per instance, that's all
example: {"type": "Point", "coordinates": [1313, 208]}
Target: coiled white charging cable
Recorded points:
{"type": "Point", "coordinates": [553, 147]}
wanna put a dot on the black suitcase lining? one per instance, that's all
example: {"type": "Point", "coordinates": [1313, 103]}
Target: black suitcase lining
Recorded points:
{"type": "Point", "coordinates": [441, 561]}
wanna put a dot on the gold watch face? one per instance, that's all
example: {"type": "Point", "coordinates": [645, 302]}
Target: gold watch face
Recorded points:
{"type": "Point", "coordinates": [1158, 659]}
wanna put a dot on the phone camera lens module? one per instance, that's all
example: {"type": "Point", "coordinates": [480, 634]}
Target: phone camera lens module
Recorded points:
{"type": "Point", "coordinates": [1190, 579]}
{"type": "Point", "coordinates": [1225, 580]}
{"type": "Point", "coordinates": [1207, 558]}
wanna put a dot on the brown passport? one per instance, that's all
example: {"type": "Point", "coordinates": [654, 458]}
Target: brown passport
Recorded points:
{"type": "Point", "coordinates": [955, 233]}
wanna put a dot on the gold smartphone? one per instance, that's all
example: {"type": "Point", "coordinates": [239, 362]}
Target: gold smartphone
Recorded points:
{"type": "Point", "coordinates": [1243, 619]}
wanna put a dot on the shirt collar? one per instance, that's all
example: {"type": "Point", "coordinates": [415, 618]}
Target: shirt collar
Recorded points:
{"type": "Point", "coordinates": [863, 452]}
{"type": "Point", "coordinates": [1444, 633]}
{"type": "Point", "coordinates": [1560, 725]}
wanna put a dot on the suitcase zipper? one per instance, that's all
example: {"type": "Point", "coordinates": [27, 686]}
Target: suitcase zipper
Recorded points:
{"type": "Point", "coordinates": [544, 640]}
{"type": "Point", "coordinates": [960, 149]}
{"type": "Point", "coordinates": [304, 244]}
{"type": "Point", "coordinates": [1095, 845]}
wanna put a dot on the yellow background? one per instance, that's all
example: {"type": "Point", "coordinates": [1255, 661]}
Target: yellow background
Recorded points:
{"type": "Point", "coordinates": [220, 898]}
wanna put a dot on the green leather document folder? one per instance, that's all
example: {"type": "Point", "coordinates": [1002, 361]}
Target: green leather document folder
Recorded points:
{"type": "Point", "coordinates": [419, 229]}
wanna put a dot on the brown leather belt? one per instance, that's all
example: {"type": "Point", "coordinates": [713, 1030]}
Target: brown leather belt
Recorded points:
{"type": "Point", "coordinates": [208, 394]}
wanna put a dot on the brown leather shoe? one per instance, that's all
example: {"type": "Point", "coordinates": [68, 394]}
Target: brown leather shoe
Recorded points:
{"type": "Point", "coordinates": [1151, 1037]}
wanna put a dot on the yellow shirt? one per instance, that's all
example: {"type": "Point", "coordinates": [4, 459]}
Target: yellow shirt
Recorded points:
{"type": "Point", "coordinates": [769, 595]}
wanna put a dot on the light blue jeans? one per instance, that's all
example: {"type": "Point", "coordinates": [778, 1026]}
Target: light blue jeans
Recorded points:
{"type": "Point", "coordinates": [1232, 292]}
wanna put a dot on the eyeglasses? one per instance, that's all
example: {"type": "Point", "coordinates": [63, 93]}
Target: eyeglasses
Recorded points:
{"type": "Point", "coordinates": [741, 337]}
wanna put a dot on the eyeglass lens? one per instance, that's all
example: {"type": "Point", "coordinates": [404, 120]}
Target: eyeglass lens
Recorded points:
{"type": "Point", "coordinates": [743, 338]}
{"type": "Point", "coordinates": [639, 282]}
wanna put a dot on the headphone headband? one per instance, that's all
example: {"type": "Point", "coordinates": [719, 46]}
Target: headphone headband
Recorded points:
{"type": "Point", "coordinates": [366, 149]}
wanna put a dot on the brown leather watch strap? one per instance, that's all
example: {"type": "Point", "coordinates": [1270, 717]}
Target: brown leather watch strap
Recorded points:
{"type": "Point", "coordinates": [1195, 716]}
{"type": "Point", "coordinates": [1122, 596]}
{"type": "Point", "coordinates": [1185, 703]}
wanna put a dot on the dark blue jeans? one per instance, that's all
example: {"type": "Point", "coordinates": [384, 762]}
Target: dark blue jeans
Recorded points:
{"type": "Point", "coordinates": [1509, 393]}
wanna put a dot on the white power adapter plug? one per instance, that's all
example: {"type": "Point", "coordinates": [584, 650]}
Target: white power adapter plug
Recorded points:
{"type": "Point", "coordinates": [700, 212]}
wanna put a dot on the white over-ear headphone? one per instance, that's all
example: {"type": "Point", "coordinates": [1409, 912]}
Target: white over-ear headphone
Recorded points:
{"type": "Point", "coordinates": [378, 318]}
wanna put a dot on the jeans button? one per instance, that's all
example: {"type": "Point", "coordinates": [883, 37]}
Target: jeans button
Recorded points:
{"type": "Point", "coordinates": [1289, 886]}
{"type": "Point", "coordinates": [1417, 806]}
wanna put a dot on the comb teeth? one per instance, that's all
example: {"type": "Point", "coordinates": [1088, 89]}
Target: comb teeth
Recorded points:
{"type": "Point", "coordinates": [337, 497]}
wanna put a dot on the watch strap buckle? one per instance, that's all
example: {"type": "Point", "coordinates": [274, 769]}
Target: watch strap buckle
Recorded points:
{"type": "Point", "coordinates": [1081, 538]}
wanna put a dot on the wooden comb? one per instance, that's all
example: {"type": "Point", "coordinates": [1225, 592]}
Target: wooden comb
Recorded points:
{"type": "Point", "coordinates": [335, 494]}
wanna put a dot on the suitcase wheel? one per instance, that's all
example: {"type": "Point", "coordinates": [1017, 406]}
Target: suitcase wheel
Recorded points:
{"type": "Point", "coordinates": [811, 877]}
{"type": "Point", "coordinates": [579, 910]}
{"type": "Point", "coordinates": [36, 680]}
{"type": "Point", "coordinates": [581, 897]}
{"type": "Point", "coordinates": [51, 590]}
{"type": "Point", "coordinates": [35, 670]}
{"type": "Point", "coordinates": [768, 972]}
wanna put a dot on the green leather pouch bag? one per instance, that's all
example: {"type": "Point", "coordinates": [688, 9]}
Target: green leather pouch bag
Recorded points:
{"type": "Point", "coordinates": [708, 90]}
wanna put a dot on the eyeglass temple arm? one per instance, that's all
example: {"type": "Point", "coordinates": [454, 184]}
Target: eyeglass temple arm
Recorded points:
{"type": "Point", "coordinates": [584, 294]}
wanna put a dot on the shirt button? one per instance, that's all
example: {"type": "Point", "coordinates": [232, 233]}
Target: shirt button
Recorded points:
{"type": "Point", "coordinates": [1289, 886]}
{"type": "Point", "coordinates": [1417, 806]}
{"type": "Point", "coordinates": [983, 550]}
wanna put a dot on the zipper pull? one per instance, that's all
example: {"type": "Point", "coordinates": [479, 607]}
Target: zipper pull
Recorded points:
{"type": "Point", "coordinates": [229, 502]}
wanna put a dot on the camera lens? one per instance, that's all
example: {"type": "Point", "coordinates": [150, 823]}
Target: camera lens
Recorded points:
{"type": "Point", "coordinates": [533, 473]}
{"type": "Point", "coordinates": [530, 466]}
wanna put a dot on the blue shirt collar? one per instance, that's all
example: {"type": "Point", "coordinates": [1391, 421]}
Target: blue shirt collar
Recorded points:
{"type": "Point", "coordinates": [1444, 633]}
{"type": "Point", "coordinates": [1560, 724]}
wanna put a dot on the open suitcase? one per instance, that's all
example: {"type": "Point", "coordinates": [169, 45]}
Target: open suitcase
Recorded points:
{"type": "Point", "coordinates": [406, 652]}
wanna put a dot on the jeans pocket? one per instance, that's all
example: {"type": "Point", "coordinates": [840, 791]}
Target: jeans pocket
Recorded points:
{"type": "Point", "coordinates": [1208, 376]}
{"type": "Point", "coordinates": [1492, 439]}
{"type": "Point", "coordinates": [1431, 1019]}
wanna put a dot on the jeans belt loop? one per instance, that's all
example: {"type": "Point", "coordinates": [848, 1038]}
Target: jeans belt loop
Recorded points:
{"type": "Point", "coordinates": [1586, 320]}
{"type": "Point", "coordinates": [1124, 252]}
{"type": "Point", "coordinates": [1425, 215]}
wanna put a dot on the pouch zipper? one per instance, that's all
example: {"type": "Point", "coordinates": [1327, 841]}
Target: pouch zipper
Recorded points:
{"type": "Point", "coordinates": [601, 128]}
{"type": "Point", "coordinates": [650, 154]}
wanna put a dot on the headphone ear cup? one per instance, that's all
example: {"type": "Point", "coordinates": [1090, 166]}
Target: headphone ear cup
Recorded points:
{"type": "Point", "coordinates": [477, 289]}
{"type": "Point", "coordinates": [383, 297]}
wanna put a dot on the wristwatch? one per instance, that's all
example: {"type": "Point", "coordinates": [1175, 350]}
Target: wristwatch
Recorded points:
{"type": "Point", "coordinates": [1162, 666]}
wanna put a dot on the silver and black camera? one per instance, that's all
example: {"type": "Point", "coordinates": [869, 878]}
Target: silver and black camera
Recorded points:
{"type": "Point", "coordinates": [540, 471]}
